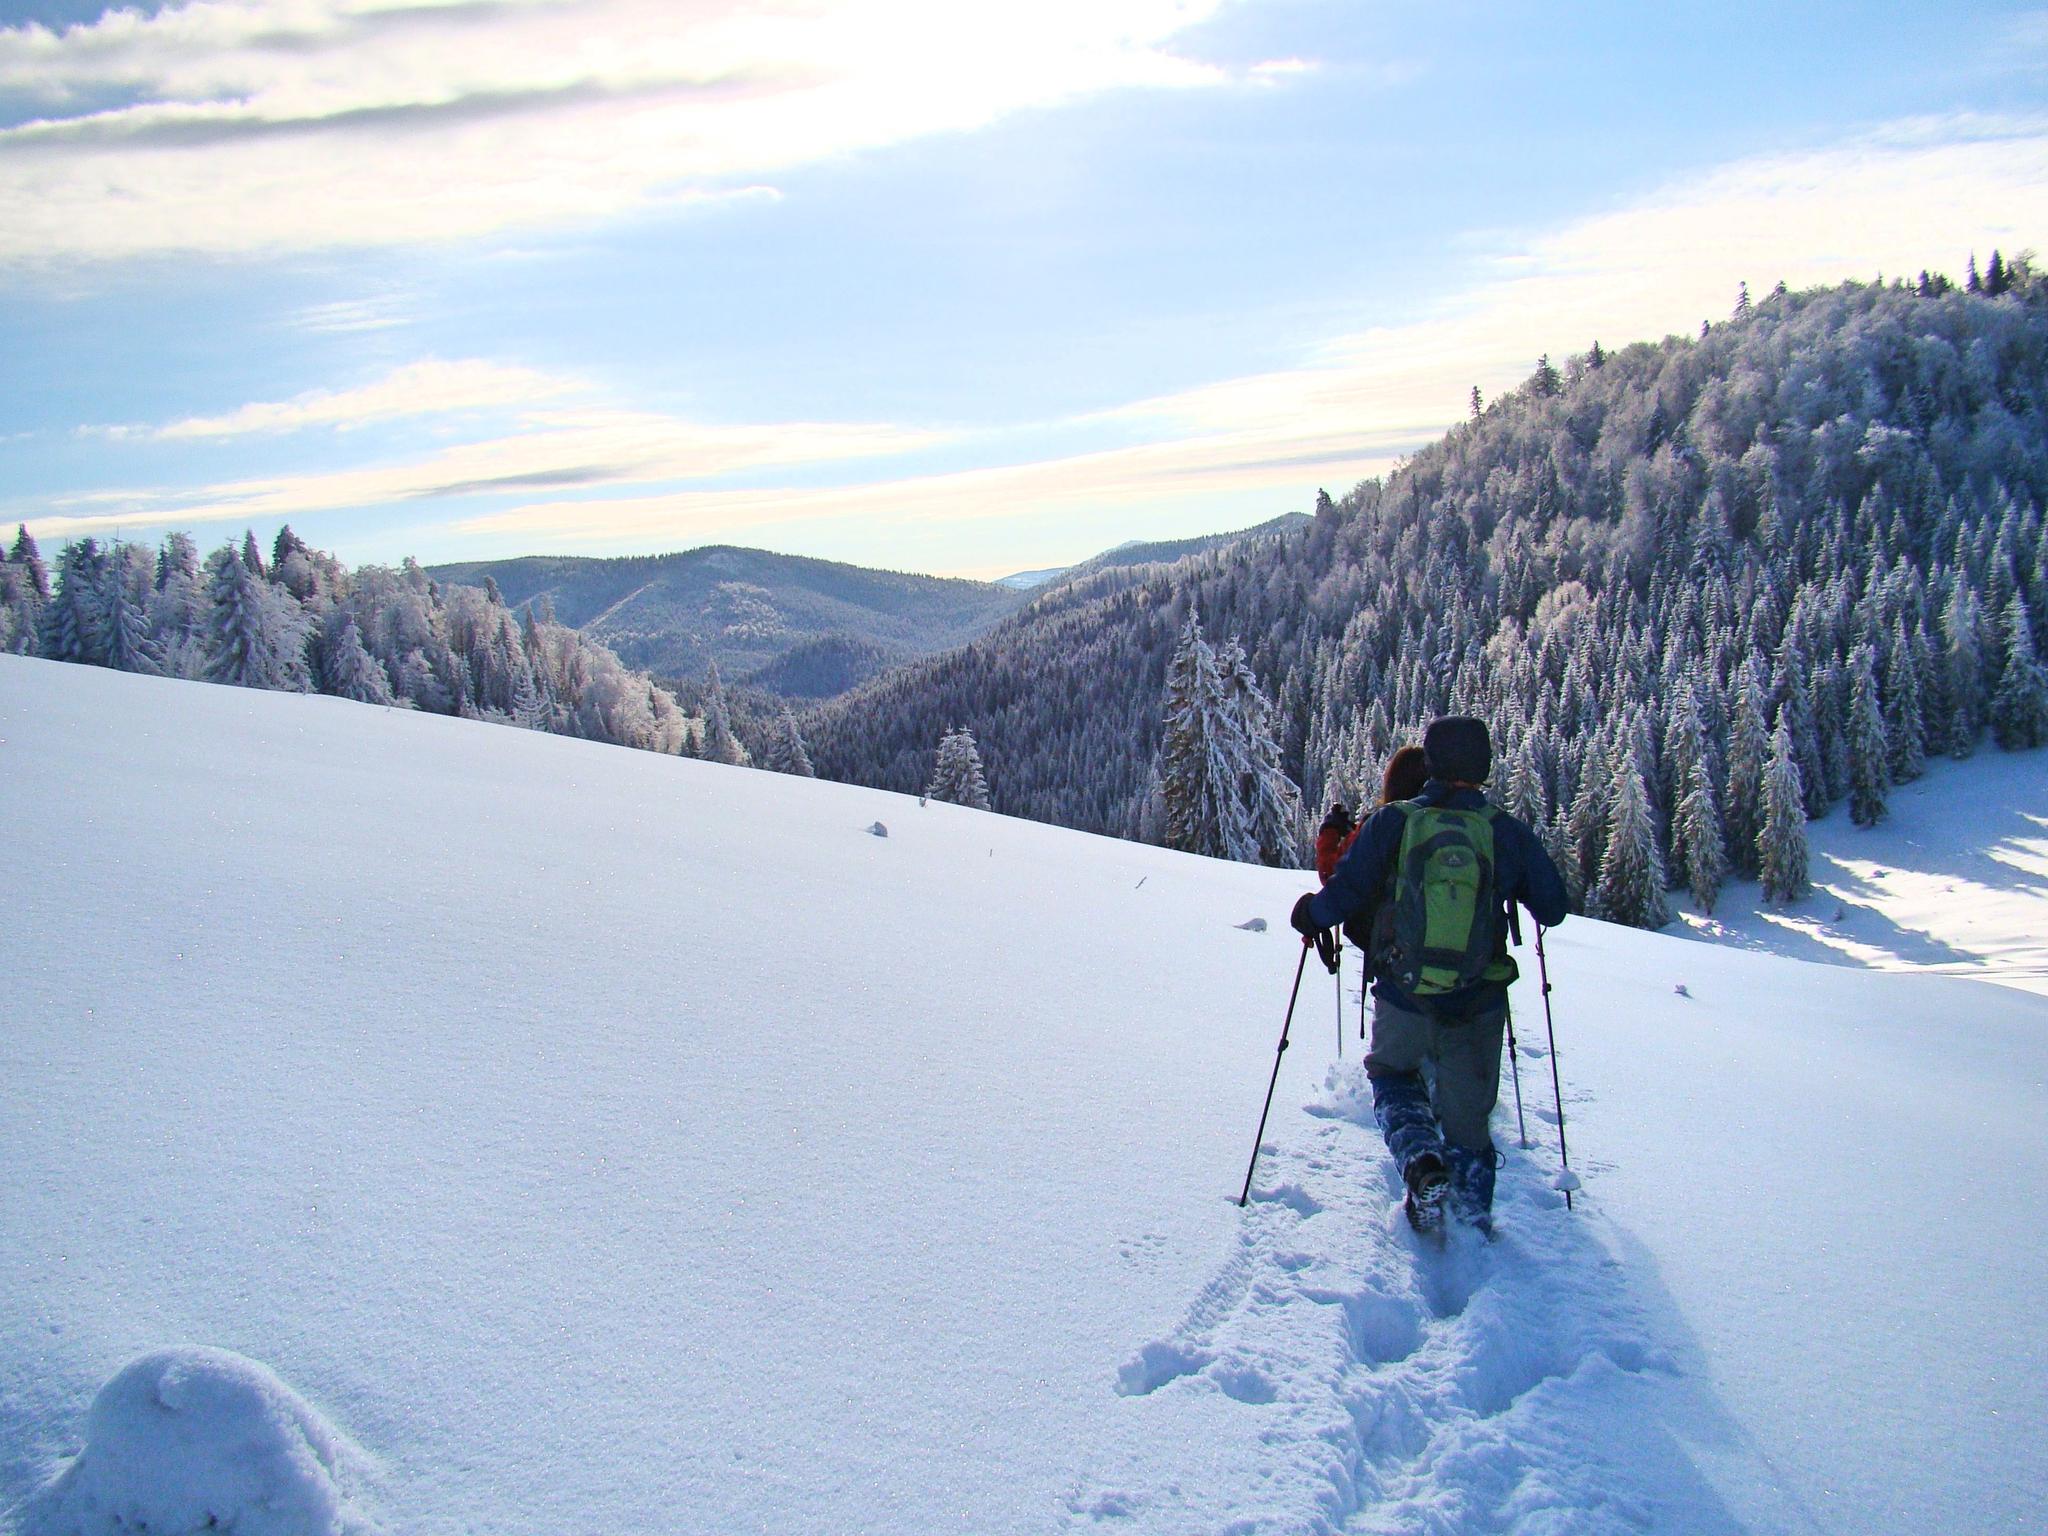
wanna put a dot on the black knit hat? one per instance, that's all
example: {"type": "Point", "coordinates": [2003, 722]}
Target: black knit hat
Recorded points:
{"type": "Point", "coordinates": [1458, 748]}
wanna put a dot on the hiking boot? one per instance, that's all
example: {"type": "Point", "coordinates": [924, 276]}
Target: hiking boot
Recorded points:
{"type": "Point", "coordinates": [1428, 1180]}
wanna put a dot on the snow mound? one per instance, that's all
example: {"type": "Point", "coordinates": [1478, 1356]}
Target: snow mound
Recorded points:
{"type": "Point", "coordinates": [189, 1440]}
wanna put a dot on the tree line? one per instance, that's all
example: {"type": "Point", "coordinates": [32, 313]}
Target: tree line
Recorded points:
{"type": "Point", "coordinates": [1704, 589]}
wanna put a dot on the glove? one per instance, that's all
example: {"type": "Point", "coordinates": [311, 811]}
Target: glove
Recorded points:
{"type": "Point", "coordinates": [1301, 922]}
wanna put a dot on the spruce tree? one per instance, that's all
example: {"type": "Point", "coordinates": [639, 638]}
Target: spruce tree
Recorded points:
{"type": "Point", "coordinates": [1273, 811]}
{"type": "Point", "coordinates": [1696, 839]}
{"type": "Point", "coordinates": [25, 554]}
{"type": "Point", "coordinates": [1198, 810]}
{"type": "Point", "coordinates": [352, 672]}
{"type": "Point", "coordinates": [1781, 844]}
{"type": "Point", "coordinates": [1904, 729]}
{"type": "Point", "coordinates": [1964, 670]}
{"type": "Point", "coordinates": [73, 621]}
{"type": "Point", "coordinates": [256, 633]}
{"type": "Point", "coordinates": [957, 778]}
{"type": "Point", "coordinates": [786, 752]}
{"type": "Point", "coordinates": [720, 744]}
{"type": "Point", "coordinates": [2019, 711]}
{"type": "Point", "coordinates": [1748, 745]}
{"type": "Point", "coordinates": [1631, 885]}
{"type": "Point", "coordinates": [1869, 751]}
{"type": "Point", "coordinates": [129, 647]}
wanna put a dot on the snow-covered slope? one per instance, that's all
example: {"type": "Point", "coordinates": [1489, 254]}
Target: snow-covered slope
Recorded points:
{"type": "Point", "coordinates": [1954, 881]}
{"type": "Point", "coordinates": [485, 1131]}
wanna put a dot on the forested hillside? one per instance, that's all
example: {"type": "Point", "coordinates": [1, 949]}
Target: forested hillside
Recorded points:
{"type": "Point", "coordinates": [803, 628]}
{"type": "Point", "coordinates": [1691, 583]}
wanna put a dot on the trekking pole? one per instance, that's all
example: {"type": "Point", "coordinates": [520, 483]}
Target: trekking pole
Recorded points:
{"type": "Point", "coordinates": [1338, 976]}
{"type": "Point", "coordinates": [1514, 1057]}
{"type": "Point", "coordinates": [1566, 1179]}
{"type": "Point", "coordinates": [1515, 1066]}
{"type": "Point", "coordinates": [1282, 1051]}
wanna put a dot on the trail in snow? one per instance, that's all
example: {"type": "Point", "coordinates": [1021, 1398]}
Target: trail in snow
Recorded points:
{"type": "Point", "coordinates": [1340, 1374]}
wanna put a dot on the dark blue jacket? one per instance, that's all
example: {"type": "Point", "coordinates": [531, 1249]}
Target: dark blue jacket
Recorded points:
{"type": "Point", "coordinates": [1522, 872]}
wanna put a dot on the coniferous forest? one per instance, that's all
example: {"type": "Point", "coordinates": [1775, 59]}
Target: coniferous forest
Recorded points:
{"type": "Point", "coordinates": [300, 621]}
{"type": "Point", "coordinates": [1703, 590]}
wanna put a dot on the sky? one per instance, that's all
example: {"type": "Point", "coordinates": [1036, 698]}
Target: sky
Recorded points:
{"type": "Point", "coordinates": [959, 286]}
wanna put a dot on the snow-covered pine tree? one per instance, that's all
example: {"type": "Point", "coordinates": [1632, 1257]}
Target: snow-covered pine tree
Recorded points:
{"type": "Point", "coordinates": [957, 777]}
{"type": "Point", "coordinates": [1781, 844]}
{"type": "Point", "coordinates": [2019, 710]}
{"type": "Point", "coordinates": [720, 744]}
{"type": "Point", "coordinates": [1696, 839]}
{"type": "Point", "coordinates": [73, 622]}
{"type": "Point", "coordinates": [24, 553]}
{"type": "Point", "coordinates": [1748, 746]}
{"type": "Point", "coordinates": [1904, 729]}
{"type": "Point", "coordinates": [1964, 670]}
{"type": "Point", "coordinates": [1521, 796]}
{"type": "Point", "coordinates": [786, 752]}
{"type": "Point", "coordinates": [1274, 815]}
{"type": "Point", "coordinates": [1198, 809]}
{"type": "Point", "coordinates": [1869, 752]}
{"type": "Point", "coordinates": [352, 672]}
{"type": "Point", "coordinates": [256, 634]}
{"type": "Point", "coordinates": [129, 647]}
{"type": "Point", "coordinates": [1631, 885]}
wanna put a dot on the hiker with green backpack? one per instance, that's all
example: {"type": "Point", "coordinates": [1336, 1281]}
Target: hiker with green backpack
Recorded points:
{"type": "Point", "coordinates": [1444, 866]}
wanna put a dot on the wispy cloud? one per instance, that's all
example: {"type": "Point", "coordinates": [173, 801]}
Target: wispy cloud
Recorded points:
{"type": "Point", "coordinates": [235, 126]}
{"type": "Point", "coordinates": [381, 312]}
{"type": "Point", "coordinates": [1915, 194]}
{"type": "Point", "coordinates": [430, 387]}
{"type": "Point", "coordinates": [551, 449]}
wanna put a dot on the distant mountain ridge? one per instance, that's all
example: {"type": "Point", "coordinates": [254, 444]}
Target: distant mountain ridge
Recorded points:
{"type": "Point", "coordinates": [790, 625]}
{"type": "Point", "coordinates": [748, 610]}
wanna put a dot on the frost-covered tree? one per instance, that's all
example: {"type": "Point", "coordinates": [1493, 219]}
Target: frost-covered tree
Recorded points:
{"type": "Point", "coordinates": [29, 558]}
{"type": "Point", "coordinates": [957, 778]}
{"type": "Point", "coordinates": [1272, 802]}
{"type": "Point", "coordinates": [256, 633]}
{"type": "Point", "coordinates": [720, 744]}
{"type": "Point", "coordinates": [352, 672]}
{"type": "Point", "coordinates": [1869, 752]}
{"type": "Point", "coordinates": [1197, 782]}
{"type": "Point", "coordinates": [1748, 746]}
{"type": "Point", "coordinates": [126, 586]}
{"type": "Point", "coordinates": [2019, 711]}
{"type": "Point", "coordinates": [1904, 727]}
{"type": "Point", "coordinates": [1631, 884]}
{"type": "Point", "coordinates": [1223, 791]}
{"type": "Point", "coordinates": [786, 752]}
{"type": "Point", "coordinates": [1964, 670]}
{"type": "Point", "coordinates": [1696, 839]}
{"type": "Point", "coordinates": [74, 619]}
{"type": "Point", "coordinates": [24, 592]}
{"type": "Point", "coordinates": [1781, 845]}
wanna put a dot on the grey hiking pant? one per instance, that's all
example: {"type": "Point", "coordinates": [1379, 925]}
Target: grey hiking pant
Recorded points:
{"type": "Point", "coordinates": [1465, 1062]}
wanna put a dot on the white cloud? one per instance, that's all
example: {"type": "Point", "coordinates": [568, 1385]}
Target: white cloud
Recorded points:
{"type": "Point", "coordinates": [559, 448]}
{"type": "Point", "coordinates": [1918, 194]}
{"type": "Point", "coordinates": [268, 125]}
{"type": "Point", "coordinates": [430, 387]}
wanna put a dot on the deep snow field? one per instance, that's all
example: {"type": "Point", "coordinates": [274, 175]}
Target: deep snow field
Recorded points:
{"type": "Point", "coordinates": [417, 1125]}
{"type": "Point", "coordinates": [1953, 882]}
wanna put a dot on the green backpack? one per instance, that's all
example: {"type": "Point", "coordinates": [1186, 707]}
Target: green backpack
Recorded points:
{"type": "Point", "coordinates": [1443, 926]}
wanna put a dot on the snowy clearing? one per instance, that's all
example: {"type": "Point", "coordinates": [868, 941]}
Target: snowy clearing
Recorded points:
{"type": "Point", "coordinates": [1953, 882]}
{"type": "Point", "coordinates": [569, 1138]}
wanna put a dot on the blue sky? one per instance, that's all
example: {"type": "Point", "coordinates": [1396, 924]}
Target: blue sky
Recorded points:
{"type": "Point", "coordinates": [965, 287]}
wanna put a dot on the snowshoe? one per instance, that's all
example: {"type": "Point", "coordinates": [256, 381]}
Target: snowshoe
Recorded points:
{"type": "Point", "coordinates": [1428, 1180]}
